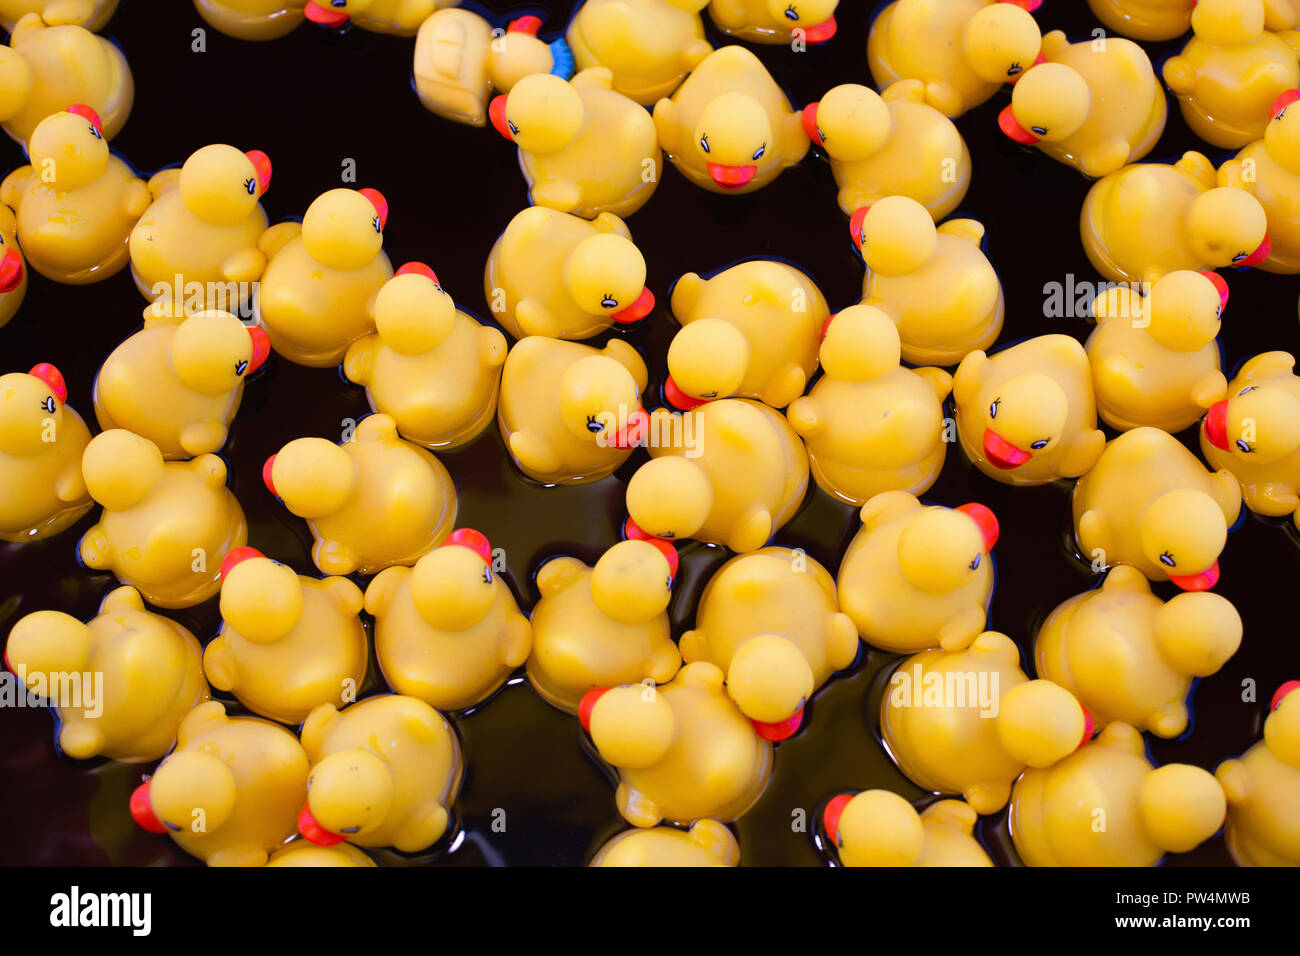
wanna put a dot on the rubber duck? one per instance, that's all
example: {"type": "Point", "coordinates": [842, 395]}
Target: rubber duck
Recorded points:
{"type": "Point", "coordinates": [682, 751]}
{"type": "Point", "coordinates": [890, 144]}
{"type": "Point", "coordinates": [1094, 108]}
{"type": "Point", "coordinates": [288, 642]}
{"type": "Point", "coordinates": [371, 502]}
{"type": "Point", "coordinates": [1269, 170]}
{"type": "Point", "coordinates": [179, 384]}
{"type": "Point", "coordinates": [1026, 414]}
{"type": "Point", "coordinates": [201, 231]}
{"type": "Point", "coordinates": [880, 828]}
{"type": "Point", "coordinates": [1255, 435]}
{"type": "Point", "coordinates": [1150, 20]}
{"type": "Point", "coordinates": [1263, 789]}
{"type": "Point", "coordinates": [139, 674]}
{"type": "Point", "coordinates": [302, 852]}
{"type": "Point", "coordinates": [583, 148]}
{"type": "Point", "coordinates": [1152, 218]}
{"type": "Point", "coordinates": [936, 283]}
{"type": "Point", "coordinates": [167, 525]}
{"type": "Point", "coordinates": [707, 843]}
{"type": "Point", "coordinates": [1106, 805]}
{"type": "Point", "coordinates": [384, 772]}
{"type": "Point", "coordinates": [605, 624]}
{"type": "Point", "coordinates": [770, 621]}
{"type": "Point", "coordinates": [1150, 503]}
{"type": "Point", "coordinates": [229, 793]}
{"type": "Point", "coordinates": [562, 276]}
{"type": "Point", "coordinates": [76, 203]}
{"type": "Point", "coordinates": [395, 17]}
{"type": "Point", "coordinates": [917, 576]}
{"type": "Point", "coordinates": [46, 67]}
{"type": "Point", "coordinates": [13, 271]}
{"type": "Point", "coordinates": [45, 491]}
{"type": "Point", "coordinates": [731, 472]}
{"type": "Point", "coordinates": [750, 331]}
{"type": "Point", "coordinates": [776, 21]}
{"type": "Point", "coordinates": [729, 128]}
{"type": "Point", "coordinates": [1230, 72]}
{"type": "Point", "coordinates": [317, 294]}
{"type": "Point", "coordinates": [253, 19]}
{"type": "Point", "coordinates": [448, 631]}
{"type": "Point", "coordinates": [648, 45]}
{"type": "Point", "coordinates": [91, 14]}
{"type": "Point", "coordinates": [963, 51]}
{"type": "Point", "coordinates": [431, 367]}
{"type": "Point", "coordinates": [1129, 656]}
{"type": "Point", "coordinates": [460, 60]}
{"type": "Point", "coordinates": [1155, 360]}
{"type": "Point", "coordinates": [571, 414]}
{"type": "Point", "coordinates": [869, 424]}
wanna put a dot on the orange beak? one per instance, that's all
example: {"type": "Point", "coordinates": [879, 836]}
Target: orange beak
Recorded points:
{"type": "Point", "coordinates": [782, 730]}
{"type": "Point", "coordinates": [142, 810]}
{"type": "Point", "coordinates": [987, 521]}
{"type": "Point", "coordinates": [809, 117]}
{"type": "Point", "coordinates": [262, 164]}
{"type": "Point", "coordinates": [324, 16]}
{"type": "Point", "coordinates": [313, 831]}
{"type": "Point", "coordinates": [587, 704]}
{"type": "Point", "coordinates": [237, 556]}
{"type": "Point", "coordinates": [1285, 100]}
{"type": "Point", "coordinates": [529, 25]}
{"type": "Point", "coordinates": [638, 423]}
{"type": "Point", "coordinates": [266, 476]}
{"type": "Point", "coordinates": [1262, 252]}
{"type": "Point", "coordinates": [85, 111]}
{"type": "Point", "coordinates": [732, 177]}
{"type": "Point", "coordinates": [1001, 453]}
{"type": "Point", "coordinates": [855, 224]}
{"type": "Point", "coordinates": [670, 554]}
{"type": "Point", "coordinates": [497, 114]}
{"type": "Point", "coordinates": [379, 202]}
{"type": "Point", "coordinates": [1281, 692]}
{"type": "Point", "coordinates": [476, 541]}
{"type": "Point", "coordinates": [1009, 125]}
{"type": "Point", "coordinates": [419, 269]}
{"type": "Point", "coordinates": [261, 348]}
{"type": "Point", "coordinates": [1198, 582]}
{"type": "Point", "coordinates": [678, 399]}
{"type": "Point", "coordinates": [821, 32]}
{"type": "Point", "coordinates": [52, 377]}
{"type": "Point", "coordinates": [11, 270]}
{"type": "Point", "coordinates": [1216, 425]}
{"type": "Point", "coordinates": [831, 816]}
{"type": "Point", "coordinates": [638, 310]}
{"type": "Point", "coordinates": [1221, 284]}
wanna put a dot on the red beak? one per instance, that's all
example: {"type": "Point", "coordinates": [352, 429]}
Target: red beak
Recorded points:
{"type": "Point", "coordinates": [831, 816]}
{"type": "Point", "coordinates": [1285, 100]}
{"type": "Point", "coordinates": [1216, 425]}
{"type": "Point", "coordinates": [1198, 582]}
{"type": "Point", "coordinates": [634, 532]}
{"type": "Point", "coordinates": [85, 111]}
{"type": "Point", "coordinates": [313, 831]}
{"type": "Point", "coordinates": [266, 476]}
{"type": "Point", "coordinates": [1221, 284]}
{"type": "Point", "coordinates": [679, 399]}
{"type": "Point", "coordinates": [324, 16]}
{"type": "Point", "coordinates": [826, 326]}
{"type": "Point", "coordinates": [1281, 692]}
{"type": "Point", "coordinates": [638, 423]}
{"type": "Point", "coordinates": [476, 541]}
{"type": "Point", "coordinates": [262, 163]}
{"type": "Point", "coordinates": [821, 32]}
{"type": "Point", "coordinates": [52, 377]}
{"type": "Point", "coordinates": [529, 25]}
{"type": "Point", "coordinates": [419, 269]}
{"type": "Point", "coordinates": [1262, 252]}
{"type": "Point", "coordinates": [379, 202]}
{"type": "Point", "coordinates": [1089, 725]}
{"type": "Point", "coordinates": [142, 810]}
{"type": "Point", "coordinates": [1002, 453]}
{"type": "Point", "coordinates": [669, 552]}
{"type": "Point", "coordinates": [809, 117]}
{"type": "Point", "coordinates": [1028, 5]}
{"type": "Point", "coordinates": [1008, 124]}
{"type": "Point", "coordinates": [782, 730]}
{"type": "Point", "coordinates": [732, 177]}
{"type": "Point", "coordinates": [261, 348]}
{"type": "Point", "coordinates": [987, 521]}
{"type": "Point", "coordinates": [855, 224]}
{"type": "Point", "coordinates": [11, 270]}
{"type": "Point", "coordinates": [497, 114]}
{"type": "Point", "coordinates": [587, 704]}
{"type": "Point", "coordinates": [638, 310]}
{"type": "Point", "coordinates": [237, 556]}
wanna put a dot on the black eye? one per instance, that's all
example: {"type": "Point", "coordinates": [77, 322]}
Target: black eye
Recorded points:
{"type": "Point", "coordinates": [608, 302]}
{"type": "Point", "coordinates": [250, 185]}
{"type": "Point", "coordinates": [1041, 443]}
{"type": "Point", "coordinates": [1167, 559]}
{"type": "Point", "coordinates": [704, 142]}
{"type": "Point", "coordinates": [171, 826]}
{"type": "Point", "coordinates": [1243, 447]}
{"type": "Point", "coordinates": [758, 153]}
{"type": "Point", "coordinates": [1040, 130]}
{"type": "Point", "coordinates": [48, 404]}
{"type": "Point", "coordinates": [1239, 256]}
{"type": "Point", "coordinates": [791, 13]}
{"type": "Point", "coordinates": [513, 128]}
{"type": "Point", "coordinates": [95, 133]}
{"type": "Point", "coordinates": [487, 573]}
{"type": "Point", "coordinates": [349, 829]}
{"type": "Point", "coordinates": [593, 426]}
{"type": "Point", "coordinates": [1281, 113]}
{"type": "Point", "coordinates": [1248, 388]}
{"type": "Point", "coordinates": [376, 223]}
{"type": "Point", "coordinates": [340, 3]}
{"type": "Point", "coordinates": [667, 534]}
{"type": "Point", "coordinates": [241, 367]}
{"type": "Point", "coordinates": [993, 409]}
{"type": "Point", "coordinates": [821, 135]}
{"type": "Point", "coordinates": [1013, 69]}
{"type": "Point", "coordinates": [976, 563]}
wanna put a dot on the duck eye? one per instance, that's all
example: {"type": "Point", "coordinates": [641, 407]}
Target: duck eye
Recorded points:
{"type": "Point", "coordinates": [1248, 388]}
{"type": "Point", "coordinates": [593, 426]}
{"type": "Point", "coordinates": [1014, 68]}
{"type": "Point", "coordinates": [993, 409]}
{"type": "Point", "coordinates": [349, 829]}
{"type": "Point", "coordinates": [1280, 113]}
{"type": "Point", "coordinates": [48, 404]}
{"type": "Point", "coordinates": [608, 301]}
{"type": "Point", "coordinates": [791, 13]}
{"type": "Point", "coordinates": [758, 153]}
{"type": "Point", "coordinates": [487, 573]}
{"type": "Point", "coordinates": [95, 133]}
{"type": "Point", "coordinates": [378, 226]}
{"type": "Point", "coordinates": [1039, 130]}
{"type": "Point", "coordinates": [975, 563]}
{"type": "Point", "coordinates": [514, 130]}
{"type": "Point", "coordinates": [250, 185]}
{"type": "Point", "coordinates": [1243, 447]}
{"type": "Point", "coordinates": [1239, 256]}
{"type": "Point", "coordinates": [704, 142]}
{"type": "Point", "coordinates": [241, 367]}
{"type": "Point", "coordinates": [1167, 559]}
{"type": "Point", "coordinates": [821, 135]}
{"type": "Point", "coordinates": [171, 826]}
{"type": "Point", "coordinates": [1041, 443]}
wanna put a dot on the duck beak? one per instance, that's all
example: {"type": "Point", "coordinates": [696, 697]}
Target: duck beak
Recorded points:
{"type": "Point", "coordinates": [1089, 725]}
{"type": "Point", "coordinates": [11, 270]}
{"type": "Point", "coordinates": [678, 399]}
{"type": "Point", "coordinates": [379, 202]}
{"type": "Point", "coordinates": [1011, 127]}
{"type": "Point", "coordinates": [855, 225]}
{"type": "Point", "coordinates": [1001, 453]}
{"type": "Point", "coordinates": [52, 377]}
{"type": "Point", "coordinates": [1282, 692]}
{"type": "Point", "coordinates": [809, 118]}
{"type": "Point", "coordinates": [1262, 252]}
{"type": "Point", "coordinates": [419, 269]}
{"type": "Point", "coordinates": [80, 109]}
{"type": "Point", "coordinates": [1198, 582]}
{"type": "Point", "coordinates": [985, 519]}
{"type": "Point", "coordinates": [821, 32]}
{"type": "Point", "coordinates": [1030, 6]}
{"type": "Point", "coordinates": [1221, 284]}
{"type": "Point", "coordinates": [261, 348]}
{"type": "Point", "coordinates": [324, 16]}
{"type": "Point", "coordinates": [529, 25]}
{"type": "Point", "coordinates": [1216, 425]}
{"type": "Point", "coordinates": [237, 556]}
{"type": "Point", "coordinates": [313, 831]}
{"type": "Point", "coordinates": [732, 177]}
{"type": "Point", "coordinates": [831, 816]}
{"type": "Point", "coordinates": [638, 310]}
{"type": "Point", "coordinates": [267, 469]}
{"type": "Point", "coordinates": [476, 541]}
{"type": "Point", "coordinates": [781, 730]}
{"type": "Point", "coordinates": [142, 810]}
{"type": "Point", "coordinates": [497, 114]}
{"type": "Point", "coordinates": [826, 326]}
{"type": "Point", "coordinates": [633, 434]}
{"type": "Point", "coordinates": [262, 164]}
{"type": "Point", "coordinates": [670, 555]}
{"type": "Point", "coordinates": [587, 704]}
{"type": "Point", "coordinates": [1285, 100]}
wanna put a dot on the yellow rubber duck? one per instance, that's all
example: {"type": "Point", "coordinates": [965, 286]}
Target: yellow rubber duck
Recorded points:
{"type": "Point", "coordinates": [430, 366]}
{"type": "Point", "coordinates": [317, 294]}
{"type": "Point", "coordinates": [890, 144]}
{"type": "Point", "coordinates": [571, 414]}
{"type": "Point", "coordinates": [76, 203]}
{"type": "Point", "coordinates": [140, 674]}
{"type": "Point", "coordinates": [1106, 805]}
{"type": "Point", "coordinates": [750, 331]}
{"type": "Point", "coordinates": [167, 525]}
{"type": "Point", "coordinates": [42, 440]}
{"type": "Point", "coordinates": [47, 67]}
{"type": "Point", "coordinates": [603, 625]}
{"type": "Point", "coordinates": [288, 642]}
{"type": "Point", "coordinates": [448, 631]}
{"type": "Point", "coordinates": [583, 148]}
{"type": "Point", "coordinates": [91, 14]}
{"type": "Point", "coordinates": [1152, 218]}
{"type": "Point", "coordinates": [729, 128]}
{"type": "Point", "coordinates": [962, 50]}
{"type": "Point", "coordinates": [1149, 502]}
{"type": "Point", "coordinates": [1026, 414]}
{"type": "Point", "coordinates": [561, 276]}
{"type": "Point", "coordinates": [13, 271]}
{"type": "Point", "coordinates": [302, 852]}
{"type": "Point", "coordinates": [1263, 789]}
{"type": "Point", "coordinates": [771, 622]}
{"type": "Point", "coordinates": [1083, 105]}
{"type": "Point", "coordinates": [969, 721]}
{"type": "Point", "coordinates": [731, 472]}
{"type": "Point", "coordinates": [371, 502]}
{"type": "Point", "coordinates": [395, 17]}
{"type": "Point", "coordinates": [936, 283]}
{"type": "Point", "coordinates": [880, 828]}
{"type": "Point", "coordinates": [460, 59]}
{"type": "Point", "coordinates": [869, 424]}
{"type": "Point", "coordinates": [1149, 20]}
{"type": "Point", "coordinates": [776, 21]}
{"type": "Point", "coordinates": [1269, 170]}
{"type": "Point", "coordinates": [253, 19]}
{"type": "Point", "coordinates": [1231, 70]}
{"type": "Point", "coordinates": [1255, 435]}
{"type": "Point", "coordinates": [648, 45]}
{"type": "Point", "coordinates": [1128, 656]}
{"type": "Point", "coordinates": [683, 751]}
{"type": "Point", "coordinates": [384, 772]}
{"type": "Point", "coordinates": [917, 576]}
{"type": "Point", "coordinates": [203, 227]}
{"type": "Point", "coordinates": [707, 843]}
{"type": "Point", "coordinates": [231, 790]}
{"type": "Point", "coordinates": [179, 384]}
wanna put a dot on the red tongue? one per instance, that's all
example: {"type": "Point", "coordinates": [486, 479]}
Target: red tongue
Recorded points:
{"type": "Point", "coordinates": [1216, 425]}
{"type": "Point", "coordinates": [1198, 582]}
{"type": "Point", "coordinates": [782, 730]}
{"type": "Point", "coordinates": [831, 816]}
{"type": "Point", "coordinates": [11, 270]}
{"type": "Point", "coordinates": [732, 177]}
{"type": "Point", "coordinates": [324, 16]}
{"type": "Point", "coordinates": [142, 810]}
{"type": "Point", "coordinates": [52, 377]}
{"type": "Point", "coordinates": [313, 831]}
{"type": "Point", "coordinates": [262, 164]}
{"type": "Point", "coordinates": [1008, 123]}
{"type": "Point", "coordinates": [638, 310]}
{"type": "Point", "coordinates": [809, 117]}
{"type": "Point", "coordinates": [1002, 453]}
{"type": "Point", "coordinates": [679, 399]}
{"type": "Point", "coordinates": [821, 32]}
{"type": "Point", "coordinates": [1262, 252]}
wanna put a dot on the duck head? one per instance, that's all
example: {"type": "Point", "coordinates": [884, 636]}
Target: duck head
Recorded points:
{"type": "Point", "coordinates": [1002, 41]}
{"type": "Point", "coordinates": [349, 794]}
{"type": "Point", "coordinates": [632, 727]}
{"type": "Point", "coordinates": [1282, 135]}
{"type": "Point", "coordinates": [851, 122]}
{"type": "Point", "coordinates": [1282, 726]}
{"type": "Point", "coordinates": [896, 235]}
{"type": "Point", "coordinates": [1048, 105]}
{"type": "Point", "coordinates": [313, 477]}
{"type": "Point", "coordinates": [344, 228]}
{"type": "Point", "coordinates": [1228, 227]}
{"type": "Point", "coordinates": [1039, 723]}
{"type": "Point", "coordinates": [600, 403]}
{"type": "Point", "coordinates": [121, 468]}
{"type": "Point", "coordinates": [222, 185]}
{"type": "Point", "coordinates": [48, 642]}
{"type": "Point", "coordinates": [213, 352]}
{"type": "Point", "coordinates": [1197, 632]}
{"type": "Point", "coordinates": [1184, 308]}
{"type": "Point", "coordinates": [707, 359]}
{"type": "Point", "coordinates": [413, 314]}
{"type": "Point", "coordinates": [859, 344]}
{"type": "Point", "coordinates": [732, 138]}
{"type": "Point", "coordinates": [816, 18]}
{"type": "Point", "coordinates": [1228, 22]}
{"type": "Point", "coordinates": [770, 681]}
{"type": "Point", "coordinates": [632, 581]}
{"type": "Point", "coordinates": [942, 549]}
{"type": "Point", "coordinates": [1025, 417]}
{"type": "Point", "coordinates": [669, 497]}
{"type": "Point", "coordinates": [1183, 533]}
{"type": "Point", "coordinates": [452, 587]}
{"type": "Point", "coordinates": [186, 782]}
{"type": "Point", "coordinates": [1259, 424]}
{"type": "Point", "coordinates": [70, 148]}
{"type": "Point", "coordinates": [31, 409]}
{"type": "Point", "coordinates": [260, 598]}
{"type": "Point", "coordinates": [542, 113]}
{"type": "Point", "coordinates": [518, 54]}
{"type": "Point", "coordinates": [605, 274]}
{"type": "Point", "coordinates": [1180, 806]}
{"type": "Point", "coordinates": [874, 828]}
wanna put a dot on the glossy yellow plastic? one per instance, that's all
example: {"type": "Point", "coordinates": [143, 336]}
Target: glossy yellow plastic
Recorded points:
{"type": "Point", "coordinates": [648, 45]}
{"type": "Point", "coordinates": [708, 843]}
{"type": "Point", "coordinates": [371, 502]}
{"type": "Point", "coordinates": [729, 128]}
{"type": "Point", "coordinates": [792, 22]}
{"type": "Point", "coordinates": [880, 828]}
{"type": "Point", "coordinates": [917, 576]}
{"type": "Point", "coordinates": [13, 269]}
{"type": "Point", "coordinates": [132, 675]}
{"type": "Point", "coordinates": [253, 19]}
{"type": "Point", "coordinates": [683, 751]}
{"type": "Point", "coordinates": [384, 772]}
{"type": "Point", "coordinates": [91, 14]}
{"type": "Point", "coordinates": [1106, 805]}
{"type": "Point", "coordinates": [1149, 502]}
{"type": "Point", "coordinates": [302, 852]}
{"type": "Point", "coordinates": [430, 366]}
{"type": "Point", "coordinates": [1269, 169]}
{"type": "Point", "coordinates": [1263, 790]}
{"type": "Point", "coordinates": [166, 526]}
{"type": "Point", "coordinates": [1151, 20]}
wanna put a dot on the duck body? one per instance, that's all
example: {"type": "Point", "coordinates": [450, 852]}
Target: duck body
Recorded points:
{"type": "Point", "coordinates": [648, 45]}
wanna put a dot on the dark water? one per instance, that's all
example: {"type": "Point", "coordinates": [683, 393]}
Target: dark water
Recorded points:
{"type": "Point", "coordinates": [316, 99]}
